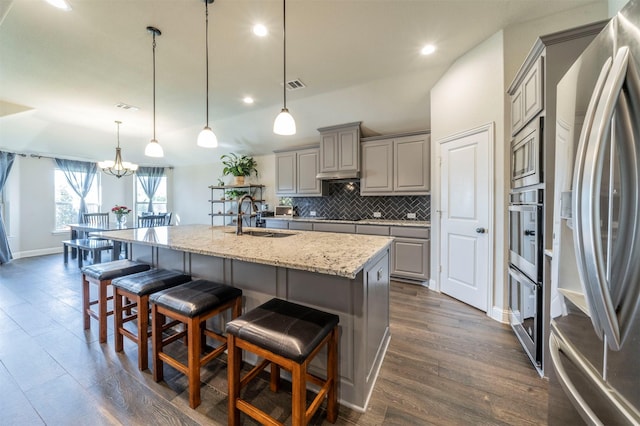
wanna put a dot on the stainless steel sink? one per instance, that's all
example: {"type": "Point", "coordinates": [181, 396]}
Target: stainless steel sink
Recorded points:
{"type": "Point", "coordinates": [265, 234]}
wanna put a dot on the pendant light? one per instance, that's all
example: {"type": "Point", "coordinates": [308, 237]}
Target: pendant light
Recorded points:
{"type": "Point", "coordinates": [206, 138]}
{"type": "Point", "coordinates": [118, 168]}
{"type": "Point", "coordinates": [284, 124]}
{"type": "Point", "coordinates": [153, 148]}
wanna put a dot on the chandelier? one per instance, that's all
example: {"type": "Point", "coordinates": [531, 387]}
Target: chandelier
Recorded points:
{"type": "Point", "coordinates": [118, 168]}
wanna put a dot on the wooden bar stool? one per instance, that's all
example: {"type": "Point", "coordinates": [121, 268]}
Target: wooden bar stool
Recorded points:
{"type": "Point", "coordinates": [133, 291]}
{"type": "Point", "coordinates": [289, 336]}
{"type": "Point", "coordinates": [101, 275]}
{"type": "Point", "coordinates": [192, 304]}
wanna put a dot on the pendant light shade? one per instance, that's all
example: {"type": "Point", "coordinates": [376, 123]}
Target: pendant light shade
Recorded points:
{"type": "Point", "coordinates": [118, 168]}
{"type": "Point", "coordinates": [153, 148]}
{"type": "Point", "coordinates": [284, 123]}
{"type": "Point", "coordinates": [206, 138]}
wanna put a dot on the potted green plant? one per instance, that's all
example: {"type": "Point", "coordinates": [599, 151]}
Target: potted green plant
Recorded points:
{"type": "Point", "coordinates": [238, 166]}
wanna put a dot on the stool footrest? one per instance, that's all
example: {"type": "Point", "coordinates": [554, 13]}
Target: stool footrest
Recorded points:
{"type": "Point", "coordinates": [211, 355]}
{"type": "Point", "coordinates": [256, 413]}
{"type": "Point", "coordinates": [254, 372]}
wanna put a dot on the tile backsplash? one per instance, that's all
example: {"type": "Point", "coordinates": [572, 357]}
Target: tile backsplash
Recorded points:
{"type": "Point", "coordinates": [344, 202]}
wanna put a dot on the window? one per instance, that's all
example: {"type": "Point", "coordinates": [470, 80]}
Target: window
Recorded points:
{"type": "Point", "coordinates": [159, 198]}
{"type": "Point", "coordinates": [68, 202]}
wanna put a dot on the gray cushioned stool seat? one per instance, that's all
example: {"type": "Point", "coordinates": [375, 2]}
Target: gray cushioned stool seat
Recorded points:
{"type": "Point", "coordinates": [284, 328]}
{"type": "Point", "coordinates": [195, 297]}
{"type": "Point", "coordinates": [150, 281]}
{"type": "Point", "coordinates": [115, 269]}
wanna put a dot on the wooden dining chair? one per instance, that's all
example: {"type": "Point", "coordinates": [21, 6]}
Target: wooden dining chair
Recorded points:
{"type": "Point", "coordinates": [149, 221]}
{"type": "Point", "coordinates": [96, 219]}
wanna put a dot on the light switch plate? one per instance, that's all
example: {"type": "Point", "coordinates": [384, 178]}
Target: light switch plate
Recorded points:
{"type": "Point", "coordinates": [411, 215]}
{"type": "Point", "coordinates": [312, 213]}
{"type": "Point", "coordinates": [377, 214]}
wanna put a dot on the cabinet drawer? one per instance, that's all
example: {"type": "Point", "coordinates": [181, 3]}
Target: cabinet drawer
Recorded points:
{"type": "Point", "coordinates": [347, 228]}
{"type": "Point", "coordinates": [410, 232]}
{"type": "Point", "coordinates": [301, 226]}
{"type": "Point", "coordinates": [372, 229]}
{"type": "Point", "coordinates": [277, 224]}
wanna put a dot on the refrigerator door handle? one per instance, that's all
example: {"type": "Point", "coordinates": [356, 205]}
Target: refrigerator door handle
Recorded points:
{"type": "Point", "coordinates": [577, 187]}
{"type": "Point", "coordinates": [570, 390]}
{"type": "Point", "coordinates": [598, 270]}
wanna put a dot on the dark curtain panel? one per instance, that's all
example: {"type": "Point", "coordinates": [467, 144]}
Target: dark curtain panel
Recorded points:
{"type": "Point", "coordinates": [149, 178]}
{"type": "Point", "coordinates": [6, 161]}
{"type": "Point", "coordinates": [80, 175]}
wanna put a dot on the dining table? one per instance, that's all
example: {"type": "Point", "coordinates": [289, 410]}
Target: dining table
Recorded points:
{"type": "Point", "coordinates": [82, 230]}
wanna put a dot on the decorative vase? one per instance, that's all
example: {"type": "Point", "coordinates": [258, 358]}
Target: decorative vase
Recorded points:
{"type": "Point", "coordinates": [122, 220]}
{"type": "Point", "coordinates": [239, 180]}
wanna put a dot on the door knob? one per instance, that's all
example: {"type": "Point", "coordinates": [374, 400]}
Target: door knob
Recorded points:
{"type": "Point", "coordinates": [481, 230]}
{"type": "Point", "coordinates": [529, 232]}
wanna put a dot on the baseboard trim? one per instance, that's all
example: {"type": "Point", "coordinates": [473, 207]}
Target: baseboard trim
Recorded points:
{"type": "Point", "coordinates": [39, 252]}
{"type": "Point", "coordinates": [500, 315]}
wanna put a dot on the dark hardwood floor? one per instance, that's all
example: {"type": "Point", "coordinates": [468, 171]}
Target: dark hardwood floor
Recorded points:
{"type": "Point", "coordinates": [447, 364]}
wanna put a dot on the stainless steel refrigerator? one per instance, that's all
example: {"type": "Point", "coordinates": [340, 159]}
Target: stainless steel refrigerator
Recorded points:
{"type": "Point", "coordinates": [595, 328]}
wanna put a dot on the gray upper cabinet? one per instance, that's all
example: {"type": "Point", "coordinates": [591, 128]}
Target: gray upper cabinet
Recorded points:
{"type": "Point", "coordinates": [286, 172]}
{"type": "Point", "coordinates": [527, 99]}
{"type": "Point", "coordinates": [296, 173]}
{"type": "Point", "coordinates": [396, 165]}
{"type": "Point", "coordinates": [308, 163]}
{"type": "Point", "coordinates": [340, 148]}
{"type": "Point", "coordinates": [377, 167]}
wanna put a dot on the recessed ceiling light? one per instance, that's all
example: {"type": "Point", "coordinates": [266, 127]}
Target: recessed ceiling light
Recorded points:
{"type": "Point", "coordinates": [428, 49]}
{"type": "Point", "coordinates": [247, 100]}
{"type": "Point", "coordinates": [60, 4]}
{"type": "Point", "coordinates": [260, 30]}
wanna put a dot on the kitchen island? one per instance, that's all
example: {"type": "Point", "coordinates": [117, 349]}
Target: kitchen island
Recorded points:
{"type": "Point", "coordinates": [344, 274]}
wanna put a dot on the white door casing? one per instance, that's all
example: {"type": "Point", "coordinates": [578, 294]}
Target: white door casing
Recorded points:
{"type": "Point", "coordinates": [465, 217]}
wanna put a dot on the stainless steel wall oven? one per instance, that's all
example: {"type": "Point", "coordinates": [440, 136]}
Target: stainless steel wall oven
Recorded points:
{"type": "Point", "coordinates": [525, 232]}
{"type": "Point", "coordinates": [525, 311]}
{"type": "Point", "coordinates": [525, 270]}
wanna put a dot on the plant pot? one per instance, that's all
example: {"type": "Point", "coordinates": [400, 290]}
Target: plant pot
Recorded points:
{"type": "Point", "coordinates": [238, 180]}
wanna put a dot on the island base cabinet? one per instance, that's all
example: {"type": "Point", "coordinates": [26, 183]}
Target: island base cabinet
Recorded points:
{"type": "Point", "coordinates": [361, 303]}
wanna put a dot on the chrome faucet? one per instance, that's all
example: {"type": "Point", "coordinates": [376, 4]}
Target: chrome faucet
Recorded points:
{"type": "Point", "coordinates": [239, 218]}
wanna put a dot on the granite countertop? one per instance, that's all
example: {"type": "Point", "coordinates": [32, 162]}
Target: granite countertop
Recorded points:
{"type": "Point", "coordinates": [323, 252]}
{"type": "Point", "coordinates": [388, 222]}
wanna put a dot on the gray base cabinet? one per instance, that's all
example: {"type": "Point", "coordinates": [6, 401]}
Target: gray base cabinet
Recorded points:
{"type": "Point", "coordinates": [410, 253]}
{"type": "Point", "coordinates": [409, 256]}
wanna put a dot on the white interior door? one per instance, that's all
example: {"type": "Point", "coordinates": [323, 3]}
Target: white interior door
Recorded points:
{"type": "Point", "coordinates": [465, 241]}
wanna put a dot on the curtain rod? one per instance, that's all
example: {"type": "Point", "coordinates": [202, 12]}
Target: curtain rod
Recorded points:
{"type": "Point", "coordinates": [39, 156]}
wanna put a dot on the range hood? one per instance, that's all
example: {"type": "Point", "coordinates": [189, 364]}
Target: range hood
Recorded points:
{"type": "Point", "coordinates": [339, 175]}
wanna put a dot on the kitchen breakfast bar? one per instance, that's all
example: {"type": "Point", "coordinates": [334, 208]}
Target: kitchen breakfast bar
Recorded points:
{"type": "Point", "coordinates": [344, 274]}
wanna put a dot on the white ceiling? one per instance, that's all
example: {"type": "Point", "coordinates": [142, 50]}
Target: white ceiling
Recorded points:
{"type": "Point", "coordinates": [61, 73]}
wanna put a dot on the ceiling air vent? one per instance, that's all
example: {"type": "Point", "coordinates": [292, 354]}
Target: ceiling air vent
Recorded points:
{"type": "Point", "coordinates": [127, 107]}
{"type": "Point", "coordinates": [295, 84]}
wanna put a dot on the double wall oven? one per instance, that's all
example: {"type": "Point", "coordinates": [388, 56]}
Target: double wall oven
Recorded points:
{"type": "Point", "coordinates": [526, 240]}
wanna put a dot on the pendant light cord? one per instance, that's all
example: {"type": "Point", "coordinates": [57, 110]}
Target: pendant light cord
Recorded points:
{"type": "Point", "coordinates": [154, 86]}
{"type": "Point", "coordinates": [118, 123]}
{"type": "Point", "coordinates": [284, 55]}
{"type": "Point", "coordinates": [206, 43]}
